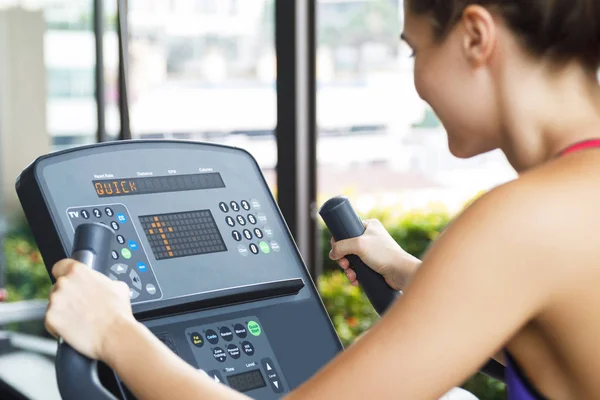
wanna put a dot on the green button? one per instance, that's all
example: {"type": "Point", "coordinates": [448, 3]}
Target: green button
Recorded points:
{"type": "Point", "coordinates": [264, 247]}
{"type": "Point", "coordinates": [254, 328]}
{"type": "Point", "coordinates": [126, 253]}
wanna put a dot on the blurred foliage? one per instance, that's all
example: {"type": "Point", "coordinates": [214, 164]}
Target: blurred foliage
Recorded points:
{"type": "Point", "coordinates": [26, 276]}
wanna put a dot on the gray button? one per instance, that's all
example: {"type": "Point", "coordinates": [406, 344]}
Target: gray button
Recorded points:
{"type": "Point", "coordinates": [274, 246]}
{"type": "Point", "coordinates": [268, 232]}
{"type": "Point", "coordinates": [262, 218]}
{"type": "Point", "coordinates": [133, 294]}
{"type": "Point", "coordinates": [114, 278]}
{"type": "Point", "coordinates": [243, 250]}
{"type": "Point", "coordinates": [255, 204]}
{"type": "Point", "coordinates": [135, 279]}
{"type": "Point", "coordinates": [119, 268]}
{"type": "Point", "coordinates": [150, 288]}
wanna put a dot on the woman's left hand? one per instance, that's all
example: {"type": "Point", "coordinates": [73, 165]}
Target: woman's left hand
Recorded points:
{"type": "Point", "coordinates": [85, 306]}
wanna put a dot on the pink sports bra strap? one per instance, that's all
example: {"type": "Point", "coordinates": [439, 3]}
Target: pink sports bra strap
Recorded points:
{"type": "Point", "coordinates": [586, 144]}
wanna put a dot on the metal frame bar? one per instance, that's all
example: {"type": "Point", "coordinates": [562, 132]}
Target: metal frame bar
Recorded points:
{"type": "Point", "coordinates": [22, 311]}
{"type": "Point", "coordinates": [99, 73]}
{"type": "Point", "coordinates": [296, 131]}
{"type": "Point", "coordinates": [123, 35]}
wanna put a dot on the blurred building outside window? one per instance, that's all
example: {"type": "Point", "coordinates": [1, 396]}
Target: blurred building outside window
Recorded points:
{"type": "Point", "coordinates": [378, 141]}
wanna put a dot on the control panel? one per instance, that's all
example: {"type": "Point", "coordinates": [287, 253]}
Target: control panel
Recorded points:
{"type": "Point", "coordinates": [212, 268]}
{"type": "Point", "coordinates": [188, 219]}
{"type": "Point", "coordinates": [237, 353]}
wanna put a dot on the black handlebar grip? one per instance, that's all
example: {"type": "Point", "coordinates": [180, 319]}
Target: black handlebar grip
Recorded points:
{"type": "Point", "coordinates": [76, 374]}
{"type": "Point", "coordinates": [344, 223]}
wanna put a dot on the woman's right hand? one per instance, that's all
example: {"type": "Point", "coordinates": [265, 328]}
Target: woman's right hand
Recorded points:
{"type": "Point", "coordinates": [380, 252]}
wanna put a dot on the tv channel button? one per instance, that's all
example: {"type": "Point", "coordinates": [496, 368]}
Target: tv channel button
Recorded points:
{"type": "Point", "coordinates": [133, 294]}
{"type": "Point", "coordinates": [119, 269]}
{"type": "Point", "coordinates": [135, 279]}
{"type": "Point", "coordinates": [126, 253]}
{"type": "Point", "coordinates": [150, 288]}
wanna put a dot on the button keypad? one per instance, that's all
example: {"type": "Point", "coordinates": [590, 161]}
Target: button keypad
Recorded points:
{"type": "Point", "coordinates": [240, 218]}
{"type": "Point", "coordinates": [233, 348]}
{"type": "Point", "coordinates": [129, 260]}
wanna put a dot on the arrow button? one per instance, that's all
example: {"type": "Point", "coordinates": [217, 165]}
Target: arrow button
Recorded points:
{"type": "Point", "coordinates": [216, 376]}
{"type": "Point", "coordinates": [271, 373]}
{"type": "Point", "coordinates": [119, 268]}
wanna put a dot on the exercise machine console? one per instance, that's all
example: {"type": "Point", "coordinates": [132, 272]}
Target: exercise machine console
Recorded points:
{"type": "Point", "coordinates": [212, 268]}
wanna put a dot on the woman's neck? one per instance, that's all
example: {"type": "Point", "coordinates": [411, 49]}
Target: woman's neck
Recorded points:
{"type": "Point", "coordinates": [545, 111]}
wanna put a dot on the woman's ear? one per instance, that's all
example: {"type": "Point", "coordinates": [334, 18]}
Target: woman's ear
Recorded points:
{"type": "Point", "coordinates": [480, 35]}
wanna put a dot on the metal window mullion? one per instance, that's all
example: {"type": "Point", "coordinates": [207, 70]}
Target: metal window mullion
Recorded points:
{"type": "Point", "coordinates": [99, 71]}
{"type": "Point", "coordinates": [296, 123]}
{"type": "Point", "coordinates": [123, 36]}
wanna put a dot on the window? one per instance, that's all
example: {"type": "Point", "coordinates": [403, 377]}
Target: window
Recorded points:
{"type": "Point", "coordinates": [207, 74]}
{"type": "Point", "coordinates": [378, 141]}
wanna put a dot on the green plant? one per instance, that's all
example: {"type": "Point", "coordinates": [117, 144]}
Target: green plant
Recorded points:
{"type": "Point", "coordinates": [26, 276]}
{"type": "Point", "coordinates": [347, 306]}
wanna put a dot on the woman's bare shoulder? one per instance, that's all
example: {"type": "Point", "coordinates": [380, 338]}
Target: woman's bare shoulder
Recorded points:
{"type": "Point", "coordinates": [546, 210]}
{"type": "Point", "coordinates": [560, 185]}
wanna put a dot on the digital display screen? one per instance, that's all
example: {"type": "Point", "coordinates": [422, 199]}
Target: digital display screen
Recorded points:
{"type": "Point", "coordinates": [246, 381]}
{"type": "Point", "coordinates": [157, 184]}
{"type": "Point", "coordinates": [182, 234]}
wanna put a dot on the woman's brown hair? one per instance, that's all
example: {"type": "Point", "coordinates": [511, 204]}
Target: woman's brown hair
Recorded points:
{"type": "Point", "coordinates": [562, 30]}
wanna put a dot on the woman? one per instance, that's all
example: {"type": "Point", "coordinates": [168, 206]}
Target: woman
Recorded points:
{"type": "Point", "coordinates": [518, 270]}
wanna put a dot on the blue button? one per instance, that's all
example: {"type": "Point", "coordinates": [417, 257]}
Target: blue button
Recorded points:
{"type": "Point", "coordinates": [133, 245]}
{"type": "Point", "coordinates": [142, 267]}
{"type": "Point", "coordinates": [121, 218]}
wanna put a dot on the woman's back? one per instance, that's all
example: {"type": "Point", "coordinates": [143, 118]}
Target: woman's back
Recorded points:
{"type": "Point", "coordinates": [559, 350]}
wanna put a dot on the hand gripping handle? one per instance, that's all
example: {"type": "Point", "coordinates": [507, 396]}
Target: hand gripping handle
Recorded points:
{"type": "Point", "coordinates": [344, 223]}
{"type": "Point", "coordinates": [77, 375]}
